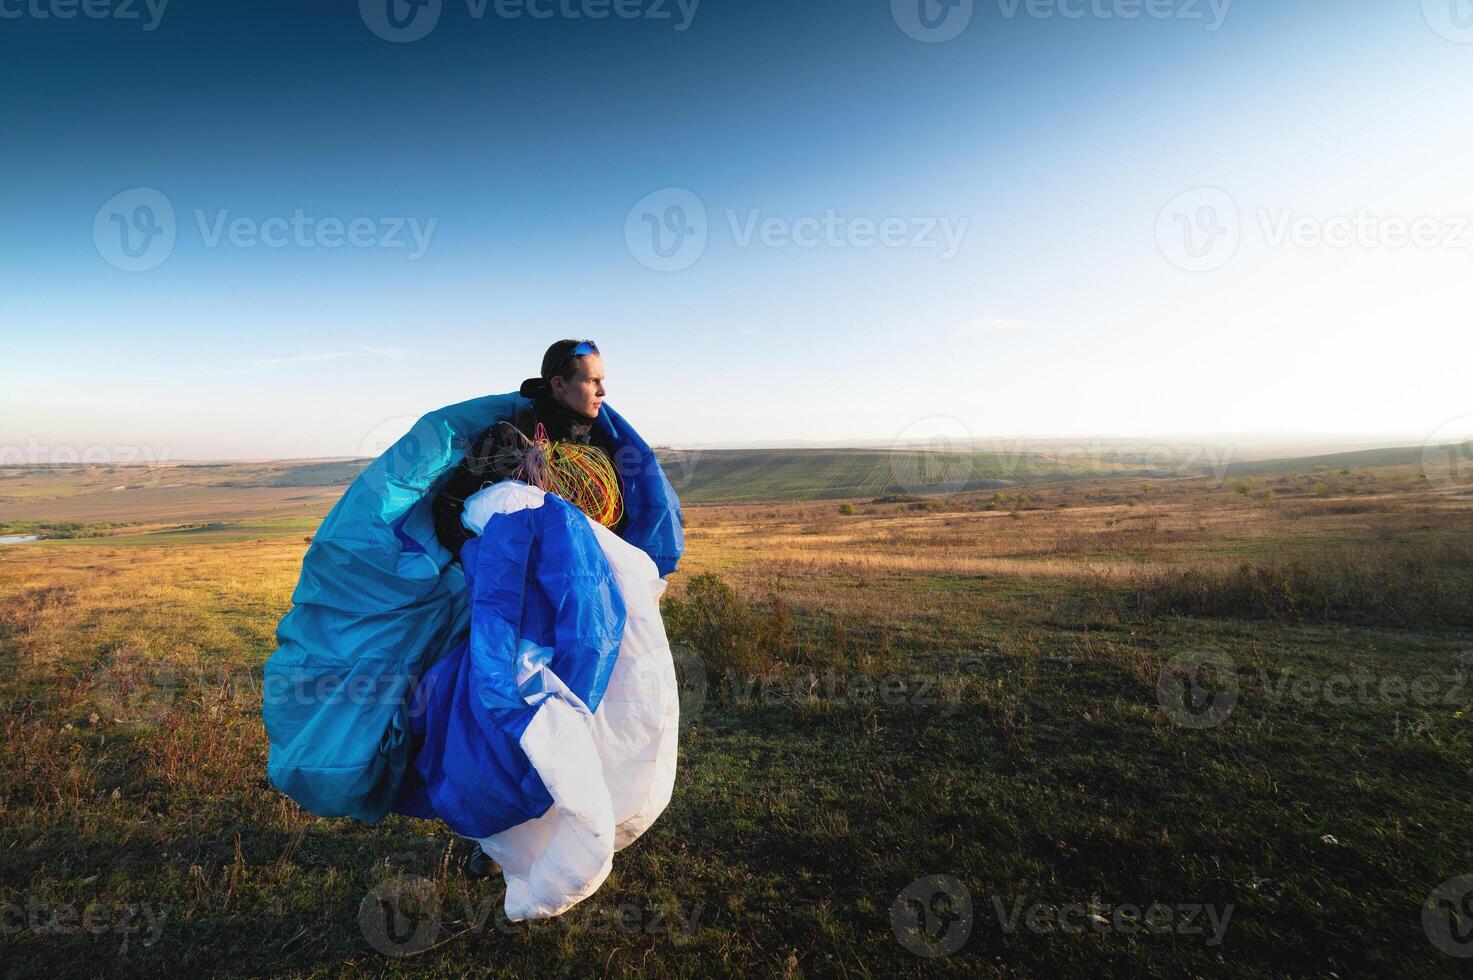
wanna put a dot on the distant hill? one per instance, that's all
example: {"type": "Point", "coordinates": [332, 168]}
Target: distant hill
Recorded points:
{"type": "Point", "coordinates": [1400, 456]}
{"type": "Point", "coordinates": [324, 474]}
{"type": "Point", "coordinates": [754, 475]}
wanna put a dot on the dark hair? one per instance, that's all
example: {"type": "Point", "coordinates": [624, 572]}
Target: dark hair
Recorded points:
{"type": "Point", "coordinates": [557, 354]}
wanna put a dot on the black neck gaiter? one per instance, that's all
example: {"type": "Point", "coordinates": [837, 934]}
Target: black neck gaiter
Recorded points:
{"type": "Point", "coordinates": [562, 424]}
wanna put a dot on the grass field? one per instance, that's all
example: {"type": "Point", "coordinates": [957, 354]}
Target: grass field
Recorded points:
{"type": "Point", "coordinates": [1139, 727]}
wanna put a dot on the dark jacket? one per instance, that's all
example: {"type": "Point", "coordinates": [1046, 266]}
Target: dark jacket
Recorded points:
{"type": "Point", "coordinates": [492, 457]}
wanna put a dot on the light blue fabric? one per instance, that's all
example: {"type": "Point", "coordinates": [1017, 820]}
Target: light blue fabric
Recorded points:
{"type": "Point", "coordinates": [379, 601]}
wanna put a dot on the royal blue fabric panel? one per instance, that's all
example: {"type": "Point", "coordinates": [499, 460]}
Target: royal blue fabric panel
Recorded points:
{"type": "Point", "coordinates": [469, 769]}
{"type": "Point", "coordinates": [581, 613]}
{"type": "Point", "coordinates": [540, 575]}
{"type": "Point", "coordinates": [654, 509]}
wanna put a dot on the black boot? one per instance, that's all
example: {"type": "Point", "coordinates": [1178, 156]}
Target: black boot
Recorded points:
{"type": "Point", "coordinates": [479, 865]}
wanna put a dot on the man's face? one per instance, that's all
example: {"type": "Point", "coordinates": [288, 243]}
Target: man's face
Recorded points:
{"type": "Point", "coordinates": [583, 394]}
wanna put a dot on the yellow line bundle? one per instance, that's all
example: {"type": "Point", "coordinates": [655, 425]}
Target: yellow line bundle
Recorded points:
{"type": "Point", "coordinates": [581, 475]}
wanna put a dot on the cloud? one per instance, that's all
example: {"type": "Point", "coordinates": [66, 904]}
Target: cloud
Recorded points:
{"type": "Point", "coordinates": [314, 358]}
{"type": "Point", "coordinates": [297, 359]}
{"type": "Point", "coordinates": [987, 324]}
{"type": "Point", "coordinates": [970, 329]}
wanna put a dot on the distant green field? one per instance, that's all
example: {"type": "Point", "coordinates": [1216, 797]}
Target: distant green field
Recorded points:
{"type": "Point", "coordinates": [220, 532]}
{"type": "Point", "coordinates": [1400, 456]}
{"type": "Point", "coordinates": [758, 475]}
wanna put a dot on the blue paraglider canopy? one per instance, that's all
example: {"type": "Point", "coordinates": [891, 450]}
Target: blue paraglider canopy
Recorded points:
{"type": "Point", "coordinates": [380, 600]}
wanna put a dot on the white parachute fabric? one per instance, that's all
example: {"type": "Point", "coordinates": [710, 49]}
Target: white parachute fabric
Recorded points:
{"type": "Point", "coordinates": [610, 772]}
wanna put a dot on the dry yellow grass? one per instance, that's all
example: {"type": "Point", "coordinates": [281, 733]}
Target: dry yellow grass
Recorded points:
{"type": "Point", "coordinates": [1091, 532]}
{"type": "Point", "coordinates": [134, 755]}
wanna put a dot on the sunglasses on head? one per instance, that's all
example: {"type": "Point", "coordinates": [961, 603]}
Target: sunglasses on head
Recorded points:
{"type": "Point", "coordinates": [584, 348]}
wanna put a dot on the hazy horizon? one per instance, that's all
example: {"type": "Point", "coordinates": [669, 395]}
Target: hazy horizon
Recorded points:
{"type": "Point", "coordinates": [1213, 446]}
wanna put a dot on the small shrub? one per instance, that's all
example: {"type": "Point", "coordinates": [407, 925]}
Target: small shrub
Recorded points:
{"type": "Point", "coordinates": [60, 529]}
{"type": "Point", "coordinates": [713, 619]}
{"type": "Point", "coordinates": [846, 509]}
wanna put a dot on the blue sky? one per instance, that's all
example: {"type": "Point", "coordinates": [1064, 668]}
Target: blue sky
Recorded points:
{"type": "Point", "coordinates": [1098, 225]}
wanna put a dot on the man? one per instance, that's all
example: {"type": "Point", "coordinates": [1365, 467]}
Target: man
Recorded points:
{"type": "Point", "coordinates": [566, 399]}
{"type": "Point", "coordinates": [359, 602]}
